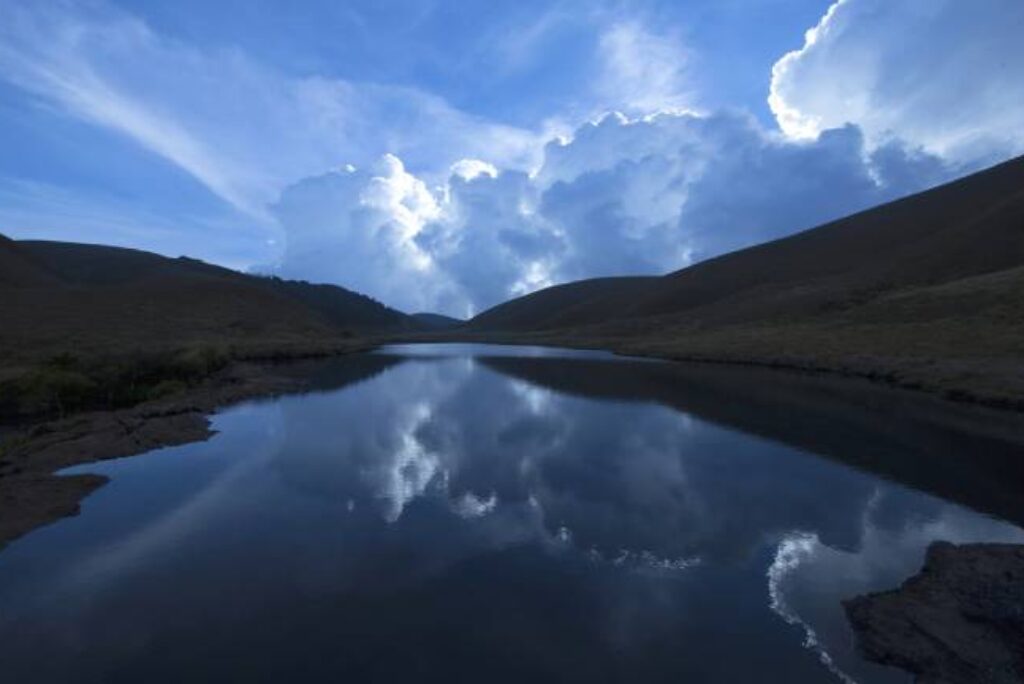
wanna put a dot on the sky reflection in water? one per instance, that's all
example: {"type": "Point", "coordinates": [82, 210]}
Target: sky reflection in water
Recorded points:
{"type": "Point", "coordinates": [459, 513]}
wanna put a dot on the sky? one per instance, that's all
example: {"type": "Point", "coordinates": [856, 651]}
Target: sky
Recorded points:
{"type": "Point", "coordinates": [445, 155]}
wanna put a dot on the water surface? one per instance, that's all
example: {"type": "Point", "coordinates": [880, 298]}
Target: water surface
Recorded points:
{"type": "Point", "coordinates": [470, 513]}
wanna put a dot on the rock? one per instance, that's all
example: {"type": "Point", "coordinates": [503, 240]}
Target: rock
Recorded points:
{"type": "Point", "coordinates": [961, 619]}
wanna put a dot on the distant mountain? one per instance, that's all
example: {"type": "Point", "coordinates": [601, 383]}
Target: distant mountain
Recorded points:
{"type": "Point", "coordinates": [935, 278]}
{"type": "Point", "coordinates": [98, 299]}
{"type": "Point", "coordinates": [433, 321]}
{"type": "Point", "coordinates": [344, 308]}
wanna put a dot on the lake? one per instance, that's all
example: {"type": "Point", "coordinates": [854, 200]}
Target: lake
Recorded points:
{"type": "Point", "coordinates": [473, 513]}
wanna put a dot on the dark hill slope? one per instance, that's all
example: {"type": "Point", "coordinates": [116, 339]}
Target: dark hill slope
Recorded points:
{"type": "Point", "coordinates": [20, 269]}
{"type": "Point", "coordinates": [97, 265]}
{"type": "Point", "coordinates": [343, 308]}
{"type": "Point", "coordinates": [96, 300]}
{"type": "Point", "coordinates": [925, 291]}
{"type": "Point", "coordinates": [572, 304]}
{"type": "Point", "coordinates": [966, 228]}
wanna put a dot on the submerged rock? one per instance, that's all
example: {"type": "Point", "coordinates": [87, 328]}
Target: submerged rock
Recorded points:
{"type": "Point", "coordinates": [961, 619]}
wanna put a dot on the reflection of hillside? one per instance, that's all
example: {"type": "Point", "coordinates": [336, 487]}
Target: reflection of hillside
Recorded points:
{"type": "Point", "coordinates": [958, 453]}
{"type": "Point", "coordinates": [337, 373]}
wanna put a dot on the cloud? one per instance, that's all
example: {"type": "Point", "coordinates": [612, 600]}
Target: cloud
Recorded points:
{"type": "Point", "coordinates": [623, 196]}
{"type": "Point", "coordinates": [936, 74]}
{"type": "Point", "coordinates": [70, 61]}
{"type": "Point", "coordinates": [642, 71]}
{"type": "Point", "coordinates": [358, 228]}
{"type": "Point", "coordinates": [439, 209]}
{"type": "Point", "coordinates": [756, 187]}
{"type": "Point", "coordinates": [241, 128]}
{"type": "Point", "coordinates": [491, 240]}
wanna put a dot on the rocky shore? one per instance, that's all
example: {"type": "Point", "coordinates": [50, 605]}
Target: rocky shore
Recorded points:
{"type": "Point", "coordinates": [959, 621]}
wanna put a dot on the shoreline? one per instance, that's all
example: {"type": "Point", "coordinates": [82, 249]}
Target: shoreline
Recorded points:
{"type": "Point", "coordinates": [33, 494]}
{"type": "Point", "coordinates": [908, 373]}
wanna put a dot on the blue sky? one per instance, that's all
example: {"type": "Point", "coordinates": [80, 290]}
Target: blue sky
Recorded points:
{"type": "Point", "coordinates": [447, 154]}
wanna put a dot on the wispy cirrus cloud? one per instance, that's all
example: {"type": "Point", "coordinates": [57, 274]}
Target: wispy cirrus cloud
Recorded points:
{"type": "Point", "coordinates": [64, 59]}
{"type": "Point", "coordinates": [241, 128]}
{"type": "Point", "coordinates": [643, 71]}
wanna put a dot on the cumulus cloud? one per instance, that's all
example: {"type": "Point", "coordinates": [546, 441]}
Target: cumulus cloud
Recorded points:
{"type": "Point", "coordinates": [938, 74]}
{"type": "Point", "coordinates": [358, 228]}
{"type": "Point", "coordinates": [623, 196]}
{"type": "Point", "coordinates": [491, 240]}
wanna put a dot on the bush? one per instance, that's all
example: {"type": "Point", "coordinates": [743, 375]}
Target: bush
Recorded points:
{"type": "Point", "coordinates": [49, 389]}
{"type": "Point", "coordinates": [166, 388]}
{"type": "Point", "coordinates": [198, 362]}
{"type": "Point", "coordinates": [65, 383]}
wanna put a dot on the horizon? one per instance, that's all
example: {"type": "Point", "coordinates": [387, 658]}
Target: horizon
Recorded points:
{"type": "Point", "coordinates": [275, 275]}
{"type": "Point", "coordinates": [445, 158]}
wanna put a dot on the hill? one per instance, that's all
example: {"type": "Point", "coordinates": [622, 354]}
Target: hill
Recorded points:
{"type": "Point", "coordinates": [563, 306]}
{"type": "Point", "coordinates": [20, 269]}
{"type": "Point", "coordinates": [924, 291]}
{"type": "Point", "coordinates": [111, 267]}
{"type": "Point", "coordinates": [81, 322]}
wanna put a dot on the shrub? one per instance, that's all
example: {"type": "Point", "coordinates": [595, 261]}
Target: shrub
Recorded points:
{"type": "Point", "coordinates": [64, 382]}
{"type": "Point", "coordinates": [49, 389]}
{"type": "Point", "coordinates": [166, 388]}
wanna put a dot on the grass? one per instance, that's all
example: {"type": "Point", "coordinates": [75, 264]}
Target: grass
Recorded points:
{"type": "Point", "coordinates": [65, 382]}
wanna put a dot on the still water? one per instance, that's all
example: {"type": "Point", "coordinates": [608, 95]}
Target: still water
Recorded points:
{"type": "Point", "coordinates": [468, 513]}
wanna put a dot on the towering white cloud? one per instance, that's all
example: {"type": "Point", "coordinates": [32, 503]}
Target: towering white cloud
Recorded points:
{"type": "Point", "coordinates": [359, 228]}
{"type": "Point", "coordinates": [491, 241]}
{"type": "Point", "coordinates": [941, 74]}
{"type": "Point", "coordinates": [623, 196]}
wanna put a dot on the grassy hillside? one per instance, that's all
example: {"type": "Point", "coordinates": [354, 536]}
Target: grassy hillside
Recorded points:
{"type": "Point", "coordinates": [84, 322]}
{"type": "Point", "coordinates": [926, 291]}
{"type": "Point", "coordinates": [113, 267]}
